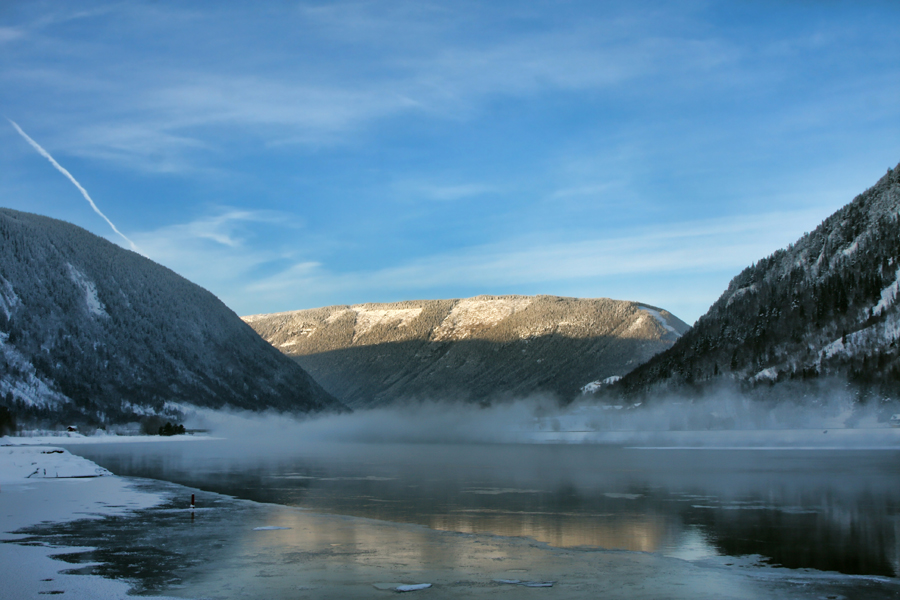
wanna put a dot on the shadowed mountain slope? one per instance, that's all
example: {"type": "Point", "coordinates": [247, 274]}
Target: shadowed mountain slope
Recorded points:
{"type": "Point", "coordinates": [823, 307]}
{"type": "Point", "coordinates": [92, 332]}
{"type": "Point", "coordinates": [474, 349]}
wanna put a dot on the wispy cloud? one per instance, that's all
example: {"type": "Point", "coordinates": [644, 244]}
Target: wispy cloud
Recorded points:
{"type": "Point", "coordinates": [139, 146]}
{"type": "Point", "coordinates": [226, 227]}
{"type": "Point", "coordinates": [222, 250]}
{"type": "Point", "coordinates": [430, 66]}
{"type": "Point", "coordinates": [653, 251]}
{"type": "Point", "coordinates": [9, 34]}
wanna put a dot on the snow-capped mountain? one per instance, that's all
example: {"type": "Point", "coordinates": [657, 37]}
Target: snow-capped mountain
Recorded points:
{"type": "Point", "coordinates": [473, 349]}
{"type": "Point", "coordinates": [824, 306]}
{"type": "Point", "coordinates": [92, 332]}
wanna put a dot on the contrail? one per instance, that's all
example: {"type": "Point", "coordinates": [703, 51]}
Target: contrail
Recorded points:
{"type": "Point", "coordinates": [62, 170]}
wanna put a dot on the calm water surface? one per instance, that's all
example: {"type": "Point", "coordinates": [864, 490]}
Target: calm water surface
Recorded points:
{"type": "Point", "coordinates": [833, 510]}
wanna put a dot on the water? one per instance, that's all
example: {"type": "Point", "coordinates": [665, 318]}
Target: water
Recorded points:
{"type": "Point", "coordinates": [830, 510]}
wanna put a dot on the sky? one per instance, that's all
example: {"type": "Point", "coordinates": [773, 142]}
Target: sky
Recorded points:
{"type": "Point", "coordinates": [293, 154]}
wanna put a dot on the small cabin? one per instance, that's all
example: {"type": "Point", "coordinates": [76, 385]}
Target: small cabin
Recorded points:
{"type": "Point", "coordinates": [895, 420]}
{"type": "Point", "coordinates": [72, 429]}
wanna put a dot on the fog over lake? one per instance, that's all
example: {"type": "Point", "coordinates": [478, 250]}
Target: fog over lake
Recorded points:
{"type": "Point", "coordinates": [827, 508]}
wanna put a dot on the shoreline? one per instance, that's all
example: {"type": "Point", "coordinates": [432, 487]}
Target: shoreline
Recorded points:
{"type": "Point", "coordinates": [229, 548]}
{"type": "Point", "coordinates": [82, 491]}
{"type": "Point", "coordinates": [68, 438]}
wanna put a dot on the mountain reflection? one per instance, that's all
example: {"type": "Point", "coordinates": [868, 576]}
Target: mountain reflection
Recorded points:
{"type": "Point", "coordinates": [633, 532]}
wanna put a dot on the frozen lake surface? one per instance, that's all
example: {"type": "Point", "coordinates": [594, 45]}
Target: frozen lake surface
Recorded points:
{"type": "Point", "coordinates": [825, 509]}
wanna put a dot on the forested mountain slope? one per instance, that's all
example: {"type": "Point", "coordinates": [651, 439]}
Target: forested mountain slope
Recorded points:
{"type": "Point", "coordinates": [824, 306]}
{"type": "Point", "coordinates": [474, 349]}
{"type": "Point", "coordinates": [92, 332]}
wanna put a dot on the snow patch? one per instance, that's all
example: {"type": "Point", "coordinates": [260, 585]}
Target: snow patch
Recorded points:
{"type": "Point", "coordinates": [8, 299]}
{"type": "Point", "coordinates": [737, 294]}
{"type": "Point", "coordinates": [662, 320]}
{"type": "Point", "coordinates": [473, 314]}
{"type": "Point", "coordinates": [367, 319]}
{"type": "Point", "coordinates": [337, 315]}
{"type": "Point", "coordinates": [596, 385]}
{"type": "Point", "coordinates": [888, 296]}
{"type": "Point", "coordinates": [770, 374]}
{"type": "Point", "coordinates": [26, 386]}
{"type": "Point", "coordinates": [137, 409]}
{"type": "Point", "coordinates": [176, 408]}
{"type": "Point", "coordinates": [850, 249]}
{"type": "Point", "coordinates": [878, 335]}
{"type": "Point", "coordinates": [836, 347]}
{"type": "Point", "coordinates": [94, 306]}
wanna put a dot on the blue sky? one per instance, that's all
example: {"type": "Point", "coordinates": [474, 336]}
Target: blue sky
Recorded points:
{"type": "Point", "coordinates": [312, 153]}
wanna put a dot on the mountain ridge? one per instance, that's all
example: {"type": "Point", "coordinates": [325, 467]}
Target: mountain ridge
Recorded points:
{"type": "Point", "coordinates": [472, 349]}
{"type": "Point", "coordinates": [95, 332]}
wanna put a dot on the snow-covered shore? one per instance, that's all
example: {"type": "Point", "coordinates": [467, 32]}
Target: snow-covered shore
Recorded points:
{"type": "Point", "coordinates": [44, 438]}
{"type": "Point", "coordinates": [21, 464]}
{"type": "Point", "coordinates": [47, 484]}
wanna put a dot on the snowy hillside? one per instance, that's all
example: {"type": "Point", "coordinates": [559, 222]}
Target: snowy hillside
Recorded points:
{"type": "Point", "coordinates": [825, 306]}
{"type": "Point", "coordinates": [92, 332]}
{"type": "Point", "coordinates": [469, 349]}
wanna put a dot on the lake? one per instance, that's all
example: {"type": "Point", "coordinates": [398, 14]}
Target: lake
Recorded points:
{"type": "Point", "coordinates": [824, 509]}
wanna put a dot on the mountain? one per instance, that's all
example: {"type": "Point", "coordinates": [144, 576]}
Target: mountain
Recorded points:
{"type": "Point", "coordinates": [473, 349]}
{"type": "Point", "coordinates": [92, 332]}
{"type": "Point", "coordinates": [823, 308]}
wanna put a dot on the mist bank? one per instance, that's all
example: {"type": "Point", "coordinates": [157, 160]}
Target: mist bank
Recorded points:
{"type": "Point", "coordinates": [721, 420]}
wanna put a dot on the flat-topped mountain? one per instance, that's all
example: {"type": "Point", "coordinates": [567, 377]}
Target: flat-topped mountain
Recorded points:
{"type": "Point", "coordinates": [473, 349]}
{"type": "Point", "coordinates": [824, 307]}
{"type": "Point", "coordinates": [92, 332]}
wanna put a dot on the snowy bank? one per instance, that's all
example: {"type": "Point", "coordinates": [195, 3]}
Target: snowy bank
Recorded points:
{"type": "Point", "coordinates": [43, 438]}
{"type": "Point", "coordinates": [20, 464]}
{"type": "Point", "coordinates": [47, 484]}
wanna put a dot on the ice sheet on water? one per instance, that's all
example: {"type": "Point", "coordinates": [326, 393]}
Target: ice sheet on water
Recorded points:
{"type": "Point", "coordinates": [387, 585]}
{"type": "Point", "coordinates": [412, 587]}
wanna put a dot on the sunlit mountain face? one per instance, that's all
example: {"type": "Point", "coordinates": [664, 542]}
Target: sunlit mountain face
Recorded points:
{"type": "Point", "coordinates": [474, 349]}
